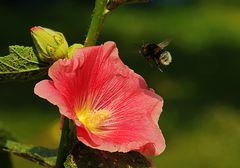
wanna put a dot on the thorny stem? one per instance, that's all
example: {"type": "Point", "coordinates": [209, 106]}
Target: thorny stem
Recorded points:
{"type": "Point", "coordinates": [99, 13]}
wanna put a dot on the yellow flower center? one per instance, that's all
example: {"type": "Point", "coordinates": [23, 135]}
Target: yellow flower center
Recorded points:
{"type": "Point", "coordinates": [92, 119]}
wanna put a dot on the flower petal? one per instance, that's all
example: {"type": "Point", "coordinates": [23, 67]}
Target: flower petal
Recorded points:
{"type": "Point", "coordinates": [96, 80]}
{"type": "Point", "coordinates": [135, 108]}
{"type": "Point", "coordinates": [45, 89]}
{"type": "Point", "coordinates": [131, 125]}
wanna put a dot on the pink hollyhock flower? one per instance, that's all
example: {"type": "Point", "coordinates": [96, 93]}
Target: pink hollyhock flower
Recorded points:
{"type": "Point", "coordinates": [112, 107]}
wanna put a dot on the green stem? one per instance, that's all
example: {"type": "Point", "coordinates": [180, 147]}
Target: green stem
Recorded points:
{"type": "Point", "coordinates": [96, 25]}
{"type": "Point", "coordinates": [5, 159]}
{"type": "Point", "coordinates": [63, 149]}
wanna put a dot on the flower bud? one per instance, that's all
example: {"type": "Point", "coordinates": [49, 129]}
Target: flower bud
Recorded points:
{"type": "Point", "coordinates": [73, 48]}
{"type": "Point", "coordinates": [51, 45]}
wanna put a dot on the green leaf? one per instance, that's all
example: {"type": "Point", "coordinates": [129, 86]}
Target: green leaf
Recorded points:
{"type": "Point", "coordinates": [21, 64]}
{"type": "Point", "coordinates": [40, 155]}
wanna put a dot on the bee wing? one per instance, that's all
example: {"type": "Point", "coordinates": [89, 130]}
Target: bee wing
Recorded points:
{"type": "Point", "coordinates": [164, 43]}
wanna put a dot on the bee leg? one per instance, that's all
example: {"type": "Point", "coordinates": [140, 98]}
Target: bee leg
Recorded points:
{"type": "Point", "coordinates": [160, 69]}
{"type": "Point", "coordinates": [158, 65]}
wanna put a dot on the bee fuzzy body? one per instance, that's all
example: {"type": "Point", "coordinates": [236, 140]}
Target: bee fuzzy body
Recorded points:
{"type": "Point", "coordinates": [157, 53]}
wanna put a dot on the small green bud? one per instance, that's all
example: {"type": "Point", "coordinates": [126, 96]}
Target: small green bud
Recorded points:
{"type": "Point", "coordinates": [72, 49]}
{"type": "Point", "coordinates": [51, 45]}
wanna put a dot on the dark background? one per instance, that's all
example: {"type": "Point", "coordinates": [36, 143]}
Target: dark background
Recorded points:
{"type": "Point", "coordinates": [201, 117]}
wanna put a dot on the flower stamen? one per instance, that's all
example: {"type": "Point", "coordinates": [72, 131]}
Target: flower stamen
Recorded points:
{"type": "Point", "coordinates": [92, 118]}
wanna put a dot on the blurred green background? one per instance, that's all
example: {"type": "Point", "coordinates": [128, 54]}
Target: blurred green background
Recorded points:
{"type": "Point", "coordinates": [201, 117]}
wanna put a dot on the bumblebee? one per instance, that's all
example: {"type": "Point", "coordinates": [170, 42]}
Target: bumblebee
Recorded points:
{"type": "Point", "coordinates": [157, 53]}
